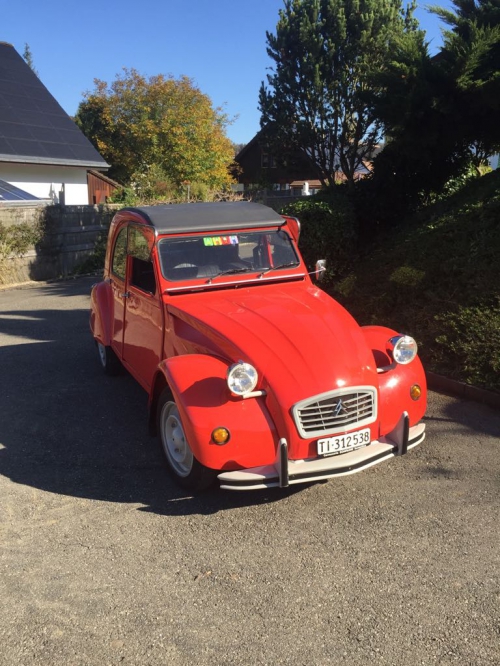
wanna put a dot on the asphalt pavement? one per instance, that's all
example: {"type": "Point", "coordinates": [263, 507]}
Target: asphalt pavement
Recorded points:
{"type": "Point", "coordinates": [103, 560]}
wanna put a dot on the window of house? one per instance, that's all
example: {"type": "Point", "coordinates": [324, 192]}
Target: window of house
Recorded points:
{"type": "Point", "coordinates": [267, 161]}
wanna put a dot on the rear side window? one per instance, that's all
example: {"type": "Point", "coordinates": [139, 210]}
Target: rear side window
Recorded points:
{"type": "Point", "coordinates": [138, 246]}
{"type": "Point", "coordinates": [142, 273]}
{"type": "Point", "coordinates": [132, 242]}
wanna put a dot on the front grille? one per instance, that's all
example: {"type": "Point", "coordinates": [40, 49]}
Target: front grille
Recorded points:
{"type": "Point", "coordinates": [336, 411]}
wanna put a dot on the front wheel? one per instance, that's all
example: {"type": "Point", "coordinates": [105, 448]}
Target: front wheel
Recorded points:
{"type": "Point", "coordinates": [181, 463]}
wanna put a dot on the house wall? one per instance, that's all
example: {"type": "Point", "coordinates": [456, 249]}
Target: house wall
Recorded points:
{"type": "Point", "coordinates": [99, 190]}
{"type": "Point", "coordinates": [46, 182]}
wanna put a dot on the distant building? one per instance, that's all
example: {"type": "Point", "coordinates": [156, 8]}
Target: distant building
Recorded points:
{"type": "Point", "coordinates": [42, 152]}
{"type": "Point", "coordinates": [260, 169]}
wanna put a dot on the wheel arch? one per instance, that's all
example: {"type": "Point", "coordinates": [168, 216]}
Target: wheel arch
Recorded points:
{"type": "Point", "coordinates": [101, 313]}
{"type": "Point", "coordinates": [159, 384]}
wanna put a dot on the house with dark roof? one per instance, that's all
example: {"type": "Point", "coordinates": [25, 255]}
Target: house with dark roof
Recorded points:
{"type": "Point", "coordinates": [43, 154]}
{"type": "Point", "coordinates": [260, 169]}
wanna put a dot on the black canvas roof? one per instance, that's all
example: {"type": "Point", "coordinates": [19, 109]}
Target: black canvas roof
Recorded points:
{"type": "Point", "coordinates": [34, 128]}
{"type": "Point", "coordinates": [177, 218]}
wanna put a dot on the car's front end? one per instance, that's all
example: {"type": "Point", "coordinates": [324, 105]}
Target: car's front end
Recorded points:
{"type": "Point", "coordinates": [301, 391]}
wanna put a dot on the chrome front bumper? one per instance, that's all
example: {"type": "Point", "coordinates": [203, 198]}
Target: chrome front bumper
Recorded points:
{"type": "Point", "coordinates": [287, 472]}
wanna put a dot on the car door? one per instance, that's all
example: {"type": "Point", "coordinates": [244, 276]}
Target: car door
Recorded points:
{"type": "Point", "coordinates": [143, 313]}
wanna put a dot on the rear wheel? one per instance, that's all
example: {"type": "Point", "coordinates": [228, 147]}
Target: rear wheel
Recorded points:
{"type": "Point", "coordinates": [181, 463]}
{"type": "Point", "coordinates": [109, 360]}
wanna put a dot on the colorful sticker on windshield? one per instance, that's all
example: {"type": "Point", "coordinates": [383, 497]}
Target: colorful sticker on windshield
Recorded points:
{"type": "Point", "coordinates": [220, 240]}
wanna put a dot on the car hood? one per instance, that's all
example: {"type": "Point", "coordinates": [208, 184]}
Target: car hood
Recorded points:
{"type": "Point", "coordinates": [301, 341]}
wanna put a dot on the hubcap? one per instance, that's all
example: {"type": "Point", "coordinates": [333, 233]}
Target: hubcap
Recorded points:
{"type": "Point", "coordinates": [174, 441]}
{"type": "Point", "coordinates": [102, 353]}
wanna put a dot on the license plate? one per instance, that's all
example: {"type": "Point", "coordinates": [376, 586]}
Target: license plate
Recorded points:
{"type": "Point", "coordinates": [333, 446]}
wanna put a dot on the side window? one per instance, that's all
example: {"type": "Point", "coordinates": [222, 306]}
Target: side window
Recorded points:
{"type": "Point", "coordinates": [142, 275]}
{"type": "Point", "coordinates": [120, 254]}
{"type": "Point", "coordinates": [282, 250]}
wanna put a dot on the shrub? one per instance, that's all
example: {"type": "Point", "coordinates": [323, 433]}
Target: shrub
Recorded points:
{"type": "Point", "coordinates": [125, 196]}
{"type": "Point", "coordinates": [17, 239]}
{"type": "Point", "coordinates": [328, 231]}
{"type": "Point", "coordinates": [470, 348]}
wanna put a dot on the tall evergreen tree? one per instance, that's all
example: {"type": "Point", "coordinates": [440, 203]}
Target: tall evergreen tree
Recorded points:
{"type": "Point", "coordinates": [471, 57]}
{"type": "Point", "coordinates": [28, 57]}
{"type": "Point", "coordinates": [441, 113]}
{"type": "Point", "coordinates": [326, 53]}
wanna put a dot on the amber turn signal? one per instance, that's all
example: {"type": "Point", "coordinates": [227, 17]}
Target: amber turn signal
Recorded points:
{"type": "Point", "coordinates": [220, 436]}
{"type": "Point", "coordinates": [415, 392]}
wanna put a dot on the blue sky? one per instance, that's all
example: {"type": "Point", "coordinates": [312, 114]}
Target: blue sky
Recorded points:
{"type": "Point", "coordinates": [220, 45]}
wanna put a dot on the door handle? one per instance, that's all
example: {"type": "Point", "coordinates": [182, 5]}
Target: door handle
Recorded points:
{"type": "Point", "coordinates": [125, 295]}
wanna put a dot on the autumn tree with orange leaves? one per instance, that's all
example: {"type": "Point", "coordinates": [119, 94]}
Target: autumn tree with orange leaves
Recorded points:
{"type": "Point", "coordinates": [158, 125]}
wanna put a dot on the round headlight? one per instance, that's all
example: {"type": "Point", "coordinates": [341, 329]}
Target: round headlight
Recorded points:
{"type": "Point", "coordinates": [242, 378]}
{"type": "Point", "coordinates": [404, 349]}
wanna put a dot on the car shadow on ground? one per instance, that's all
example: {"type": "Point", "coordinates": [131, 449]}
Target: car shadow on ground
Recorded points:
{"type": "Point", "coordinates": [67, 428]}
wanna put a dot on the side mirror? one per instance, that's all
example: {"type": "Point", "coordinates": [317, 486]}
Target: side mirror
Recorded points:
{"type": "Point", "coordinates": [320, 268]}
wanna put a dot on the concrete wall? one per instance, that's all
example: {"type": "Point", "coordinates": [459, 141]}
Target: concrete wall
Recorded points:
{"type": "Point", "coordinates": [69, 236]}
{"type": "Point", "coordinates": [47, 182]}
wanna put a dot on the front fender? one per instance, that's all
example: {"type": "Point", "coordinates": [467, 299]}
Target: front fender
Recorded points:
{"type": "Point", "coordinates": [395, 383]}
{"type": "Point", "coordinates": [101, 312]}
{"type": "Point", "coordinates": [198, 384]}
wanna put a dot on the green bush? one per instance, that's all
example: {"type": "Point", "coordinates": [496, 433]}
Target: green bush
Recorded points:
{"type": "Point", "coordinates": [328, 231]}
{"type": "Point", "coordinates": [437, 278]}
{"type": "Point", "coordinates": [17, 239]}
{"type": "Point", "coordinates": [470, 347]}
{"type": "Point", "coordinates": [153, 184]}
{"type": "Point", "coordinates": [125, 196]}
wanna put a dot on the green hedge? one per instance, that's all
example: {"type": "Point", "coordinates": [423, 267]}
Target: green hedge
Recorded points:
{"type": "Point", "coordinates": [328, 231]}
{"type": "Point", "coordinates": [438, 279]}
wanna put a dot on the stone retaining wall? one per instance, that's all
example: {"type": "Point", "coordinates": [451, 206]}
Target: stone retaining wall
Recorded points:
{"type": "Point", "coordinates": [69, 234]}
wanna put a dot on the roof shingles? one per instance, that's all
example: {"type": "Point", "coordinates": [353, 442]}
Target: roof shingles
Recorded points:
{"type": "Point", "coordinates": [34, 128]}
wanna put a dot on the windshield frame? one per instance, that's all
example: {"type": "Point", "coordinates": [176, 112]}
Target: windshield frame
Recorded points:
{"type": "Point", "coordinates": [194, 276]}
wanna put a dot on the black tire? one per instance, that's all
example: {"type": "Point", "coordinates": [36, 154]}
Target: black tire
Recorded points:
{"type": "Point", "coordinates": [180, 461]}
{"type": "Point", "coordinates": [108, 359]}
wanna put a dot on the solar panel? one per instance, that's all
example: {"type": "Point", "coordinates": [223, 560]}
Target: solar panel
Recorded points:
{"type": "Point", "coordinates": [10, 192]}
{"type": "Point", "coordinates": [32, 123]}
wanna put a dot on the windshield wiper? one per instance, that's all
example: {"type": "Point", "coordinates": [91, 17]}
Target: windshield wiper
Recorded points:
{"type": "Point", "coordinates": [231, 271]}
{"type": "Point", "coordinates": [275, 268]}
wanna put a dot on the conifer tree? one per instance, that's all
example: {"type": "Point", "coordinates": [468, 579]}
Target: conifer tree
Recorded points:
{"type": "Point", "coordinates": [325, 55]}
{"type": "Point", "coordinates": [471, 58]}
{"type": "Point", "coordinates": [28, 57]}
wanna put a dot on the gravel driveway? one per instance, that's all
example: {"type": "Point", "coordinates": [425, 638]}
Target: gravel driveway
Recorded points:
{"type": "Point", "coordinates": [104, 561]}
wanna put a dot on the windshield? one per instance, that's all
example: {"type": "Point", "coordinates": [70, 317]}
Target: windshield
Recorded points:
{"type": "Point", "coordinates": [190, 257]}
